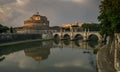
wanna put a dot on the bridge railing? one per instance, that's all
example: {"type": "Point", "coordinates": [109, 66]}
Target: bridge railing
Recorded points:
{"type": "Point", "coordinates": [74, 31]}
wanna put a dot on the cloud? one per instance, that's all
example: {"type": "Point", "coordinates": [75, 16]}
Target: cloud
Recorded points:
{"type": "Point", "coordinates": [76, 1]}
{"type": "Point", "coordinates": [75, 63]}
{"type": "Point", "coordinates": [22, 2]}
{"type": "Point", "coordinates": [14, 12]}
{"type": "Point", "coordinates": [3, 12]}
{"type": "Point", "coordinates": [3, 2]}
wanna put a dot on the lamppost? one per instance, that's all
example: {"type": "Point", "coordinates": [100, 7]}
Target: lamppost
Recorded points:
{"type": "Point", "coordinates": [71, 31]}
{"type": "Point", "coordinates": [61, 32]}
{"type": "Point", "coordinates": [85, 34]}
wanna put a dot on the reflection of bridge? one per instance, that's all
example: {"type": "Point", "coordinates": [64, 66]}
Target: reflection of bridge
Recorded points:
{"type": "Point", "coordinates": [75, 44]}
{"type": "Point", "coordinates": [85, 35]}
{"type": "Point", "coordinates": [40, 50]}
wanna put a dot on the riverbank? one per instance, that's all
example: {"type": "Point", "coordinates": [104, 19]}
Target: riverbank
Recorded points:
{"type": "Point", "coordinates": [14, 37]}
{"type": "Point", "coordinates": [104, 62]}
{"type": "Point", "coordinates": [25, 41]}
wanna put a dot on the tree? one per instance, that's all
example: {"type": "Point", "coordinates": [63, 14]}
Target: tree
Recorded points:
{"type": "Point", "coordinates": [11, 29]}
{"type": "Point", "coordinates": [91, 27]}
{"type": "Point", "coordinates": [3, 29]}
{"type": "Point", "coordinates": [109, 17]}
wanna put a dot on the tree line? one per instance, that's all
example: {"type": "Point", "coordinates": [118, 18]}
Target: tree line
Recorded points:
{"type": "Point", "coordinates": [5, 29]}
{"type": "Point", "coordinates": [91, 27]}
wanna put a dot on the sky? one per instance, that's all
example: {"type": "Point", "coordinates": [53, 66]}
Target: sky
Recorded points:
{"type": "Point", "coordinates": [14, 12]}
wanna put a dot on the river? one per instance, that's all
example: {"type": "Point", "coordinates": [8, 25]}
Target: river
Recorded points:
{"type": "Point", "coordinates": [49, 56]}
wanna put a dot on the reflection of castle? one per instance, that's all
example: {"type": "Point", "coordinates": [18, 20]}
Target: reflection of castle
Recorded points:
{"type": "Point", "coordinates": [38, 54]}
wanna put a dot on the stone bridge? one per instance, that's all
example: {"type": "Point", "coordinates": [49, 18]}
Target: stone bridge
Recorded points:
{"type": "Point", "coordinates": [85, 35]}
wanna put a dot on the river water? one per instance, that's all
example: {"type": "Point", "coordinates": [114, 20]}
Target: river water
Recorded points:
{"type": "Point", "coordinates": [49, 56]}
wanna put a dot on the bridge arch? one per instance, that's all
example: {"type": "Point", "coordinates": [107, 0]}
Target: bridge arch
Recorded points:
{"type": "Point", "coordinates": [56, 41]}
{"type": "Point", "coordinates": [93, 37]}
{"type": "Point", "coordinates": [78, 36]}
{"type": "Point", "coordinates": [73, 35]}
{"type": "Point", "coordinates": [56, 36]}
{"type": "Point", "coordinates": [66, 36]}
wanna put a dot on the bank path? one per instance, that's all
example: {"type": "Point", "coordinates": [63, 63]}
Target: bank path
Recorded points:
{"type": "Point", "coordinates": [104, 62]}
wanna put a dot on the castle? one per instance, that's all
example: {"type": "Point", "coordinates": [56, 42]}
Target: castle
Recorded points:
{"type": "Point", "coordinates": [35, 24]}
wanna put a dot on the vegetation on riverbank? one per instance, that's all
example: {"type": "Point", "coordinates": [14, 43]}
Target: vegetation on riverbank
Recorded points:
{"type": "Point", "coordinates": [3, 29]}
{"type": "Point", "coordinates": [109, 17]}
{"type": "Point", "coordinates": [91, 27]}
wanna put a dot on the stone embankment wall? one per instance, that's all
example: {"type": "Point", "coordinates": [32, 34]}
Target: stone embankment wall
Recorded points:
{"type": "Point", "coordinates": [4, 38]}
{"type": "Point", "coordinates": [117, 52]}
{"type": "Point", "coordinates": [108, 57]}
{"type": "Point", "coordinates": [113, 52]}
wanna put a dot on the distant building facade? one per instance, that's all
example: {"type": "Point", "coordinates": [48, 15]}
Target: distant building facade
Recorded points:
{"type": "Point", "coordinates": [76, 26]}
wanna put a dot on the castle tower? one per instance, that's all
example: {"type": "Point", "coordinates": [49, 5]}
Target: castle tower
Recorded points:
{"type": "Point", "coordinates": [37, 22]}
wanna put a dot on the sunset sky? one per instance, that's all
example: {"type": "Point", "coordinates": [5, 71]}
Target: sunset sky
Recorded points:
{"type": "Point", "coordinates": [14, 12]}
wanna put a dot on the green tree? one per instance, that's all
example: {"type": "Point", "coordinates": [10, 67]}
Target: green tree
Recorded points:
{"type": "Point", "coordinates": [109, 17]}
{"type": "Point", "coordinates": [91, 27]}
{"type": "Point", "coordinates": [11, 29]}
{"type": "Point", "coordinates": [3, 29]}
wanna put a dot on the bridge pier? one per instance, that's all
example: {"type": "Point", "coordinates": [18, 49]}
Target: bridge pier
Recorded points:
{"type": "Point", "coordinates": [85, 38]}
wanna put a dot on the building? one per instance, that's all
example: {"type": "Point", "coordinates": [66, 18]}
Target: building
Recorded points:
{"type": "Point", "coordinates": [35, 24]}
{"type": "Point", "coordinates": [76, 26]}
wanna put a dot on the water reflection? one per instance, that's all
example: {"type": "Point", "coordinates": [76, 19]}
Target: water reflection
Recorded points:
{"type": "Point", "coordinates": [66, 42]}
{"type": "Point", "coordinates": [2, 58]}
{"type": "Point", "coordinates": [40, 50]}
{"type": "Point", "coordinates": [92, 44]}
{"type": "Point", "coordinates": [76, 44]}
{"type": "Point", "coordinates": [54, 56]}
{"type": "Point", "coordinates": [38, 54]}
{"type": "Point", "coordinates": [56, 41]}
